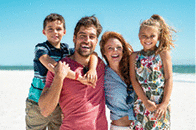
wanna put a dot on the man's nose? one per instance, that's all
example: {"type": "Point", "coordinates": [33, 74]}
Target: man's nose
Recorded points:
{"type": "Point", "coordinates": [87, 39]}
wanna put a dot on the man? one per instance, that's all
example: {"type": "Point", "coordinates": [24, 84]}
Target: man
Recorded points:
{"type": "Point", "coordinates": [82, 105]}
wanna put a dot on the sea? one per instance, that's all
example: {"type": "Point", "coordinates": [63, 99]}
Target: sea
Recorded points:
{"type": "Point", "coordinates": [181, 73]}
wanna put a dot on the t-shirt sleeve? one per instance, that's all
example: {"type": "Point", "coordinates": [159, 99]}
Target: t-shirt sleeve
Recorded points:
{"type": "Point", "coordinates": [71, 51]}
{"type": "Point", "coordinates": [40, 50]}
{"type": "Point", "coordinates": [49, 79]}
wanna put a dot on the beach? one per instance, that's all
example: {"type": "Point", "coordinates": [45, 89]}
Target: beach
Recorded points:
{"type": "Point", "coordinates": [15, 86]}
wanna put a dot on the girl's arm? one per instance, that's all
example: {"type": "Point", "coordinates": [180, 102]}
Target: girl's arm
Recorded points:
{"type": "Point", "coordinates": [151, 106]}
{"type": "Point", "coordinates": [167, 65]}
{"type": "Point", "coordinates": [46, 60]}
{"type": "Point", "coordinates": [91, 75]}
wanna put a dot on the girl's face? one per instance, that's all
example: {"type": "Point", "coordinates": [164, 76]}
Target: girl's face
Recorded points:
{"type": "Point", "coordinates": [149, 37]}
{"type": "Point", "coordinates": [113, 51]}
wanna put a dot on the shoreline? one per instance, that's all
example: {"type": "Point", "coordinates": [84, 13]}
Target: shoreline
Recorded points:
{"type": "Point", "coordinates": [15, 86]}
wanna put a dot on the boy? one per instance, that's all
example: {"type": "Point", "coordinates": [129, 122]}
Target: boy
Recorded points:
{"type": "Point", "coordinates": [47, 53]}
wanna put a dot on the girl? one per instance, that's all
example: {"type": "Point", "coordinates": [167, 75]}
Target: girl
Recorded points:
{"type": "Point", "coordinates": [118, 90]}
{"type": "Point", "coordinates": [151, 75]}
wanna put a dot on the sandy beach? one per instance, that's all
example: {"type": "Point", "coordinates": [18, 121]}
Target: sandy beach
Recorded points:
{"type": "Point", "coordinates": [15, 86]}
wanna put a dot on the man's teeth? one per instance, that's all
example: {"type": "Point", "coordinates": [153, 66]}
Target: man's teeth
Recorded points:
{"type": "Point", "coordinates": [85, 47]}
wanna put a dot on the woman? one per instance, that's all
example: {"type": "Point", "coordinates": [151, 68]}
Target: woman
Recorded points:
{"type": "Point", "coordinates": [118, 90]}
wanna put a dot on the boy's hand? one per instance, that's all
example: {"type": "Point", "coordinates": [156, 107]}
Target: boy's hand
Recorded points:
{"type": "Point", "coordinates": [85, 81]}
{"type": "Point", "coordinates": [91, 76]}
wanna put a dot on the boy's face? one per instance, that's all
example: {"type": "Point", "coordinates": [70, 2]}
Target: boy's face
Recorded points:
{"type": "Point", "coordinates": [54, 31]}
{"type": "Point", "coordinates": [85, 41]}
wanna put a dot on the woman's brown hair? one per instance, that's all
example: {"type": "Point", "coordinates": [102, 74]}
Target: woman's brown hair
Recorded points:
{"type": "Point", "coordinates": [127, 50]}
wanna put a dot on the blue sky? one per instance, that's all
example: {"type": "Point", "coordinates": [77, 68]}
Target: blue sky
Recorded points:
{"type": "Point", "coordinates": [21, 24]}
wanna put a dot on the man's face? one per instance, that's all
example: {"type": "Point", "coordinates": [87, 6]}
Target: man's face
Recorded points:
{"type": "Point", "coordinates": [85, 41]}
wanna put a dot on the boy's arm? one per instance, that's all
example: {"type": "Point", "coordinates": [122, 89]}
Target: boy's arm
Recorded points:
{"type": "Point", "coordinates": [151, 106]}
{"type": "Point", "coordinates": [91, 75]}
{"type": "Point", "coordinates": [46, 60]}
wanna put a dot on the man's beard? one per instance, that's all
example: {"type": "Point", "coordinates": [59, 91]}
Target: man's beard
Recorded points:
{"type": "Point", "coordinates": [84, 53]}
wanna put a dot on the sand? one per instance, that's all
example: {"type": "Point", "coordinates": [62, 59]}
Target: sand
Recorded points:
{"type": "Point", "coordinates": [15, 86]}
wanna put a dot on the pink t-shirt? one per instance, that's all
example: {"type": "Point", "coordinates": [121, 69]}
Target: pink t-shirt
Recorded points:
{"type": "Point", "coordinates": [83, 106]}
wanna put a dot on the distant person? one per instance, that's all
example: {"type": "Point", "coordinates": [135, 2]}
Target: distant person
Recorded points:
{"type": "Point", "coordinates": [151, 75]}
{"type": "Point", "coordinates": [83, 106]}
{"type": "Point", "coordinates": [47, 52]}
{"type": "Point", "coordinates": [118, 89]}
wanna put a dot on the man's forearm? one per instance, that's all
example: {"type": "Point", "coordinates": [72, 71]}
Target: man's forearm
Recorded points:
{"type": "Point", "coordinates": [50, 97]}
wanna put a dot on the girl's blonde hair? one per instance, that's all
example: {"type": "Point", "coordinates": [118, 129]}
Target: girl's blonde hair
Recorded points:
{"type": "Point", "coordinates": [165, 32]}
{"type": "Point", "coordinates": [127, 50]}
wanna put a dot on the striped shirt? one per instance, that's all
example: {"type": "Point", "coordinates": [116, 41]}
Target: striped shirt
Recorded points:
{"type": "Point", "coordinates": [40, 70]}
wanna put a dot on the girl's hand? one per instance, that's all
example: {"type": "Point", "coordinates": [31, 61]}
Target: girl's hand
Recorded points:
{"type": "Point", "coordinates": [161, 111]}
{"type": "Point", "coordinates": [91, 76]}
{"type": "Point", "coordinates": [150, 105]}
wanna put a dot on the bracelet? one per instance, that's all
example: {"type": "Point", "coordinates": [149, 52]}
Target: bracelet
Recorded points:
{"type": "Point", "coordinates": [77, 75]}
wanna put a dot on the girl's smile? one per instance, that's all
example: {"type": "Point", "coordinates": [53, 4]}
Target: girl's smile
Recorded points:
{"type": "Point", "coordinates": [149, 37]}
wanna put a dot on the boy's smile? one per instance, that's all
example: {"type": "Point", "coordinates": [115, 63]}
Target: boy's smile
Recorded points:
{"type": "Point", "coordinates": [54, 31]}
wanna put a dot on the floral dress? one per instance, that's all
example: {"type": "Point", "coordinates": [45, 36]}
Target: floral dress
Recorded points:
{"type": "Point", "coordinates": [150, 75]}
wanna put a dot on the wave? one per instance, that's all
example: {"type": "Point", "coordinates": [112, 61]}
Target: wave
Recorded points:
{"type": "Point", "coordinates": [186, 77]}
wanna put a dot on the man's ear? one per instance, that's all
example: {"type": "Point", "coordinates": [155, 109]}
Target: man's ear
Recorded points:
{"type": "Point", "coordinates": [74, 38]}
{"type": "Point", "coordinates": [43, 31]}
{"type": "Point", "coordinates": [64, 32]}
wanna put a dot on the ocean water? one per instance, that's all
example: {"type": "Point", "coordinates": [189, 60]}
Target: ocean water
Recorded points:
{"type": "Point", "coordinates": [181, 73]}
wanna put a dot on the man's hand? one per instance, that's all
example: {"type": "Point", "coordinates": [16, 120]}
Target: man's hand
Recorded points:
{"type": "Point", "coordinates": [61, 69]}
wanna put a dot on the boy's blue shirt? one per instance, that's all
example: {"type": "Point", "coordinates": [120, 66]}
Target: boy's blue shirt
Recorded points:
{"type": "Point", "coordinates": [40, 71]}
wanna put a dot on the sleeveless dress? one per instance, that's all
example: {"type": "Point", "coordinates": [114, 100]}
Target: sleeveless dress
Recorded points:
{"type": "Point", "coordinates": [150, 75]}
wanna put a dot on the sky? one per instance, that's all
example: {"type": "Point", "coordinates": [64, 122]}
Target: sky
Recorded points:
{"type": "Point", "coordinates": [21, 24]}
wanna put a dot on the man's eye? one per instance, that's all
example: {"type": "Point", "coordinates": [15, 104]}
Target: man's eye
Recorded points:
{"type": "Point", "coordinates": [92, 37]}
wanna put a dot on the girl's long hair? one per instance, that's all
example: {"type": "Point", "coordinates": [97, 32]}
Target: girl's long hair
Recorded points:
{"type": "Point", "coordinates": [165, 32]}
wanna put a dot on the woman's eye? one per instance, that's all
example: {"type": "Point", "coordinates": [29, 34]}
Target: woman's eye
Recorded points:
{"type": "Point", "coordinates": [110, 48]}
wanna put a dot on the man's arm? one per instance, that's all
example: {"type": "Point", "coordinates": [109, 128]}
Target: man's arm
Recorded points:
{"type": "Point", "coordinates": [50, 95]}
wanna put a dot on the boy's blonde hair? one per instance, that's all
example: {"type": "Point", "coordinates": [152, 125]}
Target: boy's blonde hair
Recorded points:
{"type": "Point", "coordinates": [165, 32]}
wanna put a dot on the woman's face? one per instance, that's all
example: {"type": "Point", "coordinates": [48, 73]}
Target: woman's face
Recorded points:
{"type": "Point", "coordinates": [113, 51]}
